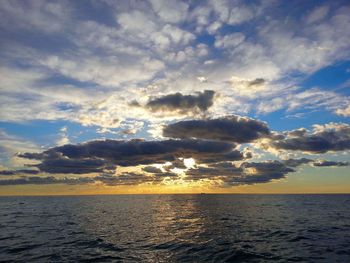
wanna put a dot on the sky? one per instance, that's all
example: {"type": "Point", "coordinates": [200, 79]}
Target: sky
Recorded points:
{"type": "Point", "coordinates": [114, 97]}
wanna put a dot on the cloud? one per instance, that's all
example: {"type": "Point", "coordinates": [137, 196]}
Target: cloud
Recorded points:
{"type": "Point", "coordinates": [231, 128]}
{"type": "Point", "coordinates": [297, 162]}
{"type": "Point", "coordinates": [172, 11]}
{"type": "Point", "coordinates": [152, 169]}
{"type": "Point", "coordinates": [48, 17]}
{"type": "Point", "coordinates": [252, 172]}
{"type": "Point", "coordinates": [182, 104]}
{"type": "Point", "coordinates": [246, 173]}
{"type": "Point", "coordinates": [229, 41]}
{"type": "Point", "coordinates": [63, 136]}
{"type": "Point", "coordinates": [314, 99]}
{"type": "Point", "coordinates": [158, 172]}
{"type": "Point", "coordinates": [316, 163]}
{"type": "Point", "coordinates": [344, 112]}
{"type": "Point", "coordinates": [224, 174]}
{"type": "Point", "coordinates": [97, 156]}
{"type": "Point", "coordinates": [319, 13]}
{"type": "Point", "coordinates": [129, 178]}
{"type": "Point", "coordinates": [262, 172]}
{"type": "Point", "coordinates": [10, 145]}
{"type": "Point", "coordinates": [161, 42]}
{"type": "Point", "coordinates": [229, 174]}
{"type": "Point", "coordinates": [86, 69]}
{"type": "Point", "coordinates": [17, 172]}
{"type": "Point", "coordinates": [46, 180]}
{"type": "Point", "coordinates": [62, 165]}
{"type": "Point", "coordinates": [234, 155]}
{"type": "Point", "coordinates": [249, 88]}
{"type": "Point", "coordinates": [330, 137]}
{"type": "Point", "coordinates": [324, 163]}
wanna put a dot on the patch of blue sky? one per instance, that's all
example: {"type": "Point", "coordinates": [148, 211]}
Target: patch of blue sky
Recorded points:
{"type": "Point", "coordinates": [283, 120]}
{"type": "Point", "coordinates": [206, 38]}
{"type": "Point", "coordinates": [58, 79]}
{"type": "Point", "coordinates": [96, 11]}
{"type": "Point", "coordinates": [330, 78]}
{"type": "Point", "coordinates": [46, 133]}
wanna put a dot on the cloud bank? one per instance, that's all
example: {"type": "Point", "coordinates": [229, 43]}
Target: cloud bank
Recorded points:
{"type": "Point", "coordinates": [232, 128]}
{"type": "Point", "coordinates": [330, 137]}
{"type": "Point", "coordinates": [213, 144]}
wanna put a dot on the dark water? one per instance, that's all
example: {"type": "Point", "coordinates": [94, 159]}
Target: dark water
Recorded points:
{"type": "Point", "coordinates": [176, 228]}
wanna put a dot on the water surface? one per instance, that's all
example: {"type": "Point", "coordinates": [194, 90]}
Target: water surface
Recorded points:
{"type": "Point", "coordinates": [176, 228]}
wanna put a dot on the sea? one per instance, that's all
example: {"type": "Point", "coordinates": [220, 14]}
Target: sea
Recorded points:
{"type": "Point", "coordinates": [175, 228]}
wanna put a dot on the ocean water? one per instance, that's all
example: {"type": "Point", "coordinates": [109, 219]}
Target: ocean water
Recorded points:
{"type": "Point", "coordinates": [176, 228]}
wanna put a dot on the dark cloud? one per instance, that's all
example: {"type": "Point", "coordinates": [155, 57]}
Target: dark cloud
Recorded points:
{"type": "Point", "coordinates": [246, 173]}
{"type": "Point", "coordinates": [214, 171]}
{"type": "Point", "coordinates": [158, 172]}
{"type": "Point", "coordinates": [31, 156]}
{"type": "Point", "coordinates": [223, 173]}
{"type": "Point", "coordinates": [262, 172]}
{"type": "Point", "coordinates": [232, 128]}
{"type": "Point", "coordinates": [134, 103]}
{"type": "Point", "coordinates": [256, 82]}
{"type": "Point", "coordinates": [210, 142]}
{"type": "Point", "coordinates": [297, 162]}
{"type": "Point", "coordinates": [107, 179]}
{"type": "Point", "coordinates": [324, 163]}
{"type": "Point", "coordinates": [331, 137]}
{"type": "Point", "coordinates": [7, 172]}
{"type": "Point", "coordinates": [46, 180]}
{"type": "Point", "coordinates": [183, 104]}
{"type": "Point", "coordinates": [126, 179]}
{"type": "Point", "coordinates": [252, 172]}
{"type": "Point", "coordinates": [231, 156]}
{"type": "Point", "coordinates": [177, 163]}
{"type": "Point", "coordinates": [103, 155]}
{"type": "Point", "coordinates": [152, 169]}
{"type": "Point", "coordinates": [128, 131]}
{"type": "Point", "coordinates": [118, 150]}
{"type": "Point", "coordinates": [16, 172]}
{"type": "Point", "coordinates": [74, 166]}
{"type": "Point", "coordinates": [318, 163]}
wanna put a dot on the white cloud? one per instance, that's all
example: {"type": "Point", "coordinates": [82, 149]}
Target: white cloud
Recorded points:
{"type": "Point", "coordinates": [317, 14]}
{"type": "Point", "coordinates": [214, 27]}
{"type": "Point", "coordinates": [270, 106]}
{"type": "Point", "coordinates": [137, 22]}
{"type": "Point", "coordinates": [248, 87]}
{"type": "Point", "coordinates": [172, 11]}
{"type": "Point", "coordinates": [39, 15]}
{"type": "Point", "coordinates": [343, 112]}
{"type": "Point", "coordinates": [156, 48]}
{"type": "Point", "coordinates": [107, 71]}
{"type": "Point", "coordinates": [239, 15]}
{"type": "Point", "coordinates": [10, 145]}
{"type": "Point", "coordinates": [313, 99]}
{"type": "Point", "coordinates": [63, 136]}
{"type": "Point", "coordinates": [229, 41]}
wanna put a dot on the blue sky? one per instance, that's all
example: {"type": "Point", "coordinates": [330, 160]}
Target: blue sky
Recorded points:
{"type": "Point", "coordinates": [78, 71]}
